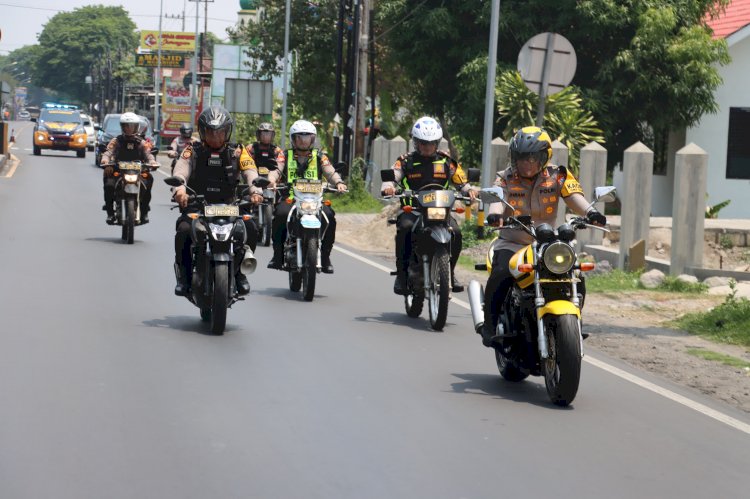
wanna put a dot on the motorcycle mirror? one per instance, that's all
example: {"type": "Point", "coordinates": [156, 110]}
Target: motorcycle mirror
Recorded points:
{"type": "Point", "coordinates": [261, 182]}
{"type": "Point", "coordinates": [490, 195]}
{"type": "Point", "coordinates": [387, 175]}
{"type": "Point", "coordinates": [474, 174]}
{"type": "Point", "coordinates": [605, 194]}
{"type": "Point", "coordinates": [174, 181]}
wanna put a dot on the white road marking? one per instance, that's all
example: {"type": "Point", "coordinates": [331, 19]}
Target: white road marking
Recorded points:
{"type": "Point", "coordinates": [675, 397]}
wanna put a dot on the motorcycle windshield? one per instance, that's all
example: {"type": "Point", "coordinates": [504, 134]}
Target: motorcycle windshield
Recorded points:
{"type": "Point", "coordinates": [437, 199]}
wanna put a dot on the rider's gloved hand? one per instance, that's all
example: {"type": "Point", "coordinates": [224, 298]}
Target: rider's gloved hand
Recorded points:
{"type": "Point", "coordinates": [341, 187]}
{"type": "Point", "coordinates": [389, 191]}
{"type": "Point", "coordinates": [495, 219]}
{"type": "Point", "coordinates": [595, 218]}
{"type": "Point", "coordinates": [172, 154]}
{"type": "Point", "coordinates": [256, 198]}
{"type": "Point", "coordinates": [181, 196]}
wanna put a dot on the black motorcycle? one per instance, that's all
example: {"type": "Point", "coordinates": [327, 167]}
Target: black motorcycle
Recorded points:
{"type": "Point", "coordinates": [429, 274]}
{"type": "Point", "coordinates": [264, 211]}
{"type": "Point", "coordinates": [217, 234]}
{"type": "Point", "coordinates": [130, 176]}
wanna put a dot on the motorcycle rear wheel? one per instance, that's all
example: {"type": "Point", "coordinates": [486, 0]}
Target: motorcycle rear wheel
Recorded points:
{"type": "Point", "coordinates": [310, 270]}
{"type": "Point", "coordinates": [414, 303]}
{"type": "Point", "coordinates": [508, 370]}
{"type": "Point", "coordinates": [440, 288]}
{"type": "Point", "coordinates": [562, 369]}
{"type": "Point", "coordinates": [206, 314]}
{"type": "Point", "coordinates": [221, 298]}
{"type": "Point", "coordinates": [295, 281]}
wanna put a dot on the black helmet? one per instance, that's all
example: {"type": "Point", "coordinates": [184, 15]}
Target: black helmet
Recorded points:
{"type": "Point", "coordinates": [186, 131]}
{"type": "Point", "coordinates": [265, 127]}
{"type": "Point", "coordinates": [531, 140]}
{"type": "Point", "coordinates": [142, 126]}
{"type": "Point", "coordinates": [215, 118]}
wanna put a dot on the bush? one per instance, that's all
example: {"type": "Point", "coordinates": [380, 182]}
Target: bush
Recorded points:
{"type": "Point", "coordinates": [358, 199]}
{"type": "Point", "coordinates": [727, 323]}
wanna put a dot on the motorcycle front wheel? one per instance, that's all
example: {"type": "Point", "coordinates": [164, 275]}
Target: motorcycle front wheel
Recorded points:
{"type": "Point", "coordinates": [128, 224]}
{"type": "Point", "coordinates": [220, 298]}
{"type": "Point", "coordinates": [310, 269]}
{"type": "Point", "coordinates": [562, 368]}
{"type": "Point", "coordinates": [439, 292]}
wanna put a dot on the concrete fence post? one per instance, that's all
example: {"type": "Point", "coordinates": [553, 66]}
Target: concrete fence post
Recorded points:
{"type": "Point", "coordinates": [377, 163]}
{"type": "Point", "coordinates": [593, 173]}
{"type": "Point", "coordinates": [638, 169]}
{"type": "Point", "coordinates": [688, 208]}
{"type": "Point", "coordinates": [499, 158]}
{"type": "Point", "coordinates": [560, 158]}
{"type": "Point", "coordinates": [443, 145]}
{"type": "Point", "coordinates": [398, 147]}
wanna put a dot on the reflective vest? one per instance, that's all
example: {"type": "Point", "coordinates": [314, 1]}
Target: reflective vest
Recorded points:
{"type": "Point", "coordinates": [418, 174]}
{"type": "Point", "coordinates": [311, 173]}
{"type": "Point", "coordinates": [264, 157]}
{"type": "Point", "coordinates": [129, 150]}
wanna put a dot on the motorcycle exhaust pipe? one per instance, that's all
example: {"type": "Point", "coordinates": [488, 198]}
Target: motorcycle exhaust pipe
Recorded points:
{"type": "Point", "coordinates": [476, 302]}
{"type": "Point", "coordinates": [249, 263]}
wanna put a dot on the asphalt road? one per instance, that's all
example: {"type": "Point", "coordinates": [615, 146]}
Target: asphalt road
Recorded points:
{"type": "Point", "coordinates": [112, 387]}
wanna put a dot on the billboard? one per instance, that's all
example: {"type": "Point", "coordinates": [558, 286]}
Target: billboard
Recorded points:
{"type": "Point", "coordinates": [167, 60]}
{"type": "Point", "coordinates": [171, 41]}
{"type": "Point", "coordinates": [175, 107]}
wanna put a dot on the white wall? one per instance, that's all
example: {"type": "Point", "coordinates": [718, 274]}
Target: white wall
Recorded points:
{"type": "Point", "coordinates": [711, 134]}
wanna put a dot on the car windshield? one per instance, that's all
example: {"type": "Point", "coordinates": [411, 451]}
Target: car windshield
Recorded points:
{"type": "Point", "coordinates": [112, 126]}
{"type": "Point", "coordinates": [59, 116]}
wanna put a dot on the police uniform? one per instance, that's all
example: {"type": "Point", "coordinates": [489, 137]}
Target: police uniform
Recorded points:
{"type": "Point", "coordinates": [537, 197]}
{"type": "Point", "coordinates": [214, 174]}
{"type": "Point", "coordinates": [413, 172]}
{"type": "Point", "coordinates": [312, 165]}
{"type": "Point", "coordinates": [126, 148]}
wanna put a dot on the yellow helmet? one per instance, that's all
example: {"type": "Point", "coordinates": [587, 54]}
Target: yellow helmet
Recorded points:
{"type": "Point", "coordinates": [531, 140]}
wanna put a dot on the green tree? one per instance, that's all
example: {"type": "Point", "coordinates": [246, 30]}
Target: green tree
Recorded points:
{"type": "Point", "coordinates": [71, 42]}
{"type": "Point", "coordinates": [312, 41]}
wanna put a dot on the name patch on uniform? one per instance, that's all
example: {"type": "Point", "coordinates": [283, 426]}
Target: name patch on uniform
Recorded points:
{"type": "Point", "coordinates": [214, 161]}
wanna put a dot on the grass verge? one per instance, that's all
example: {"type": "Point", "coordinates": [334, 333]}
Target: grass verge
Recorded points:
{"type": "Point", "coordinates": [726, 323]}
{"type": "Point", "coordinates": [719, 357]}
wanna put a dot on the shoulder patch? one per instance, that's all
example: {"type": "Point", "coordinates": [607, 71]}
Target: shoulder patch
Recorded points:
{"type": "Point", "coordinates": [187, 152]}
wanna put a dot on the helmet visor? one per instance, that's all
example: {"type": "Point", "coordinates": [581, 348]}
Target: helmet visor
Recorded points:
{"type": "Point", "coordinates": [129, 128]}
{"type": "Point", "coordinates": [216, 138]}
{"type": "Point", "coordinates": [303, 141]}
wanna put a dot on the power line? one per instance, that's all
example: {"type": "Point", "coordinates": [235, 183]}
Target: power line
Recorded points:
{"type": "Point", "coordinates": [131, 15]}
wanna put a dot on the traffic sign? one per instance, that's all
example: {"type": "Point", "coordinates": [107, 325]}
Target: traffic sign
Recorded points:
{"type": "Point", "coordinates": [547, 56]}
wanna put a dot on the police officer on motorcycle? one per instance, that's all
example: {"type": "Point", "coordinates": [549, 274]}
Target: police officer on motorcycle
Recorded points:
{"type": "Point", "coordinates": [180, 143]}
{"type": "Point", "coordinates": [303, 160]}
{"type": "Point", "coordinates": [265, 153]}
{"type": "Point", "coordinates": [128, 146]}
{"type": "Point", "coordinates": [425, 165]}
{"type": "Point", "coordinates": [210, 169]}
{"type": "Point", "coordinates": [532, 186]}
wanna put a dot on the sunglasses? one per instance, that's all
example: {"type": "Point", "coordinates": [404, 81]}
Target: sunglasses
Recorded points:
{"type": "Point", "coordinates": [421, 142]}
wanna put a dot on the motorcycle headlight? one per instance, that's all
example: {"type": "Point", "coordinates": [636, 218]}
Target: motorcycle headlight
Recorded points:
{"type": "Point", "coordinates": [131, 177]}
{"type": "Point", "coordinates": [436, 213]}
{"type": "Point", "coordinates": [221, 232]}
{"type": "Point", "coordinates": [308, 206]}
{"type": "Point", "coordinates": [559, 258]}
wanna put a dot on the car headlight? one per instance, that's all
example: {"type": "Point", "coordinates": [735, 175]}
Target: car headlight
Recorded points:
{"type": "Point", "coordinates": [436, 213]}
{"type": "Point", "coordinates": [131, 177]}
{"type": "Point", "coordinates": [221, 232]}
{"type": "Point", "coordinates": [559, 258]}
{"type": "Point", "coordinates": [308, 206]}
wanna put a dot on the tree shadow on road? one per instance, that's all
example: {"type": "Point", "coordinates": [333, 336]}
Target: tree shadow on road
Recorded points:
{"type": "Point", "coordinates": [494, 385]}
{"type": "Point", "coordinates": [187, 324]}
{"type": "Point", "coordinates": [421, 324]}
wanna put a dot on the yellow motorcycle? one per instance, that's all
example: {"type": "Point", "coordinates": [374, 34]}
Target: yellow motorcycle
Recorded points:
{"type": "Point", "coordinates": [539, 330]}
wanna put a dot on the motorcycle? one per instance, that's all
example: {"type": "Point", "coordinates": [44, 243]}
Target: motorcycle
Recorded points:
{"type": "Point", "coordinates": [539, 330]}
{"type": "Point", "coordinates": [217, 233]}
{"type": "Point", "coordinates": [429, 273]}
{"type": "Point", "coordinates": [130, 175]}
{"type": "Point", "coordinates": [301, 251]}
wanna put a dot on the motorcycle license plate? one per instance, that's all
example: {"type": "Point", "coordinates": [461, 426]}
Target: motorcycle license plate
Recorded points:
{"type": "Point", "coordinates": [127, 166]}
{"type": "Point", "coordinates": [309, 187]}
{"type": "Point", "coordinates": [435, 196]}
{"type": "Point", "coordinates": [263, 170]}
{"type": "Point", "coordinates": [222, 211]}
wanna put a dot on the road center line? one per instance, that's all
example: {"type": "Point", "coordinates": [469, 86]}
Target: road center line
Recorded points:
{"type": "Point", "coordinates": [675, 397]}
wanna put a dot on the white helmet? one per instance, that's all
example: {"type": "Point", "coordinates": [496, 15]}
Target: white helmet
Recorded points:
{"type": "Point", "coordinates": [129, 119]}
{"type": "Point", "coordinates": [426, 129]}
{"type": "Point", "coordinates": [301, 126]}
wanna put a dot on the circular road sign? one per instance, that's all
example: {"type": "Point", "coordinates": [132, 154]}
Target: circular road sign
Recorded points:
{"type": "Point", "coordinates": [547, 58]}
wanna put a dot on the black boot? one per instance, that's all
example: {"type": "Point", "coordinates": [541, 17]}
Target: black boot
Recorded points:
{"type": "Point", "coordinates": [487, 332]}
{"type": "Point", "coordinates": [243, 286]}
{"type": "Point", "coordinates": [457, 285]}
{"type": "Point", "coordinates": [277, 261]}
{"type": "Point", "coordinates": [325, 263]}
{"type": "Point", "coordinates": [144, 216]}
{"type": "Point", "coordinates": [111, 218]}
{"type": "Point", "coordinates": [182, 287]}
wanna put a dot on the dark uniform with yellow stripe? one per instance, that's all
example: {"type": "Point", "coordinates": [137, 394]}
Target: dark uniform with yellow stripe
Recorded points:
{"type": "Point", "coordinates": [415, 172]}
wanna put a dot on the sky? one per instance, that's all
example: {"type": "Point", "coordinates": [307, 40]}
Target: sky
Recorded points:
{"type": "Point", "coordinates": [21, 23]}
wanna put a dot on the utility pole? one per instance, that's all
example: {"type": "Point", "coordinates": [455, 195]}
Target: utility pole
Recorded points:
{"type": "Point", "coordinates": [339, 64]}
{"type": "Point", "coordinates": [158, 72]}
{"type": "Point", "coordinates": [193, 68]}
{"type": "Point", "coordinates": [489, 96]}
{"type": "Point", "coordinates": [285, 88]}
{"type": "Point", "coordinates": [362, 59]}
